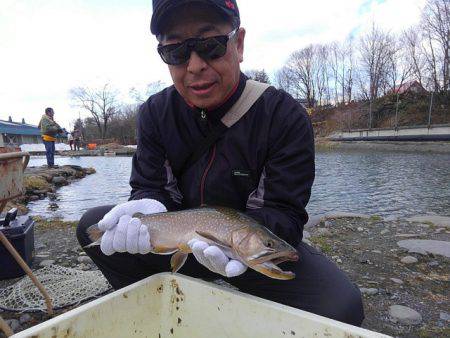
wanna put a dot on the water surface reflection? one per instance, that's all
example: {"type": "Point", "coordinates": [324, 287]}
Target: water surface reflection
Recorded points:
{"type": "Point", "coordinates": [399, 184]}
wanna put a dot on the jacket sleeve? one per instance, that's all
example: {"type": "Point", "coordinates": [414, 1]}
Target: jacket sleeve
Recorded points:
{"type": "Point", "coordinates": [285, 184]}
{"type": "Point", "coordinates": [49, 127]}
{"type": "Point", "coordinates": [149, 173]}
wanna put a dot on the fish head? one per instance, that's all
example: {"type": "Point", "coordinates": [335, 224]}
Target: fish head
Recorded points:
{"type": "Point", "coordinates": [261, 250]}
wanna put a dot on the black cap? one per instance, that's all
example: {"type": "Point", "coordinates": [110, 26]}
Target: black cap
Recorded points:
{"type": "Point", "coordinates": [163, 7]}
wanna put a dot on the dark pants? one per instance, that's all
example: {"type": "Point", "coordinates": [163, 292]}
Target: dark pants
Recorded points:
{"type": "Point", "coordinates": [319, 287]}
{"type": "Point", "coordinates": [77, 144]}
{"type": "Point", "coordinates": [50, 152]}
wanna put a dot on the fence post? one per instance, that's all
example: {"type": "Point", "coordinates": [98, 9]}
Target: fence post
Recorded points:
{"type": "Point", "coordinates": [396, 113]}
{"type": "Point", "coordinates": [429, 112]}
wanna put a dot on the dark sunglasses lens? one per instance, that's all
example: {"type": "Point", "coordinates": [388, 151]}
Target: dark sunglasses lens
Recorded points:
{"type": "Point", "coordinates": [177, 54]}
{"type": "Point", "coordinates": [174, 54]}
{"type": "Point", "coordinates": [212, 48]}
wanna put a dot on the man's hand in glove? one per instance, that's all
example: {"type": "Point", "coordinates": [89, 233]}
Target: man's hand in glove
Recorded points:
{"type": "Point", "coordinates": [124, 233]}
{"type": "Point", "coordinates": [214, 258]}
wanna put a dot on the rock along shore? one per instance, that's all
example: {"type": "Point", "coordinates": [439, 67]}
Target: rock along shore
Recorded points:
{"type": "Point", "coordinates": [41, 182]}
{"type": "Point", "coordinates": [401, 267]}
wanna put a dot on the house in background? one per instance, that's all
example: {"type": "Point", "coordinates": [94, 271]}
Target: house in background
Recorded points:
{"type": "Point", "coordinates": [17, 133]}
{"type": "Point", "coordinates": [409, 87]}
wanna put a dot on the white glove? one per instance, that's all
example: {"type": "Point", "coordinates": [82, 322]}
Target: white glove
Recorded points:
{"type": "Point", "coordinates": [213, 258]}
{"type": "Point", "coordinates": [124, 233]}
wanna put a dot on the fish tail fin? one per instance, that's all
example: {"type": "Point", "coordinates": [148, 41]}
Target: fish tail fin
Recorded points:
{"type": "Point", "coordinates": [95, 235]}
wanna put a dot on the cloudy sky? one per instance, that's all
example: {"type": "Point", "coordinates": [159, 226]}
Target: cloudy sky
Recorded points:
{"type": "Point", "coordinates": [50, 46]}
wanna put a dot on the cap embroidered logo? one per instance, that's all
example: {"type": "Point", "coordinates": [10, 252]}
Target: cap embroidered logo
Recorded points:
{"type": "Point", "coordinates": [229, 4]}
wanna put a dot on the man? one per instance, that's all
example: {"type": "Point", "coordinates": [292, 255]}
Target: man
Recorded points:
{"type": "Point", "coordinates": [77, 138]}
{"type": "Point", "coordinates": [262, 165]}
{"type": "Point", "coordinates": [49, 130]}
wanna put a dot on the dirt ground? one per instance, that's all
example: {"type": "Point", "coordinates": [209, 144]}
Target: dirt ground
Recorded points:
{"type": "Point", "coordinates": [366, 249]}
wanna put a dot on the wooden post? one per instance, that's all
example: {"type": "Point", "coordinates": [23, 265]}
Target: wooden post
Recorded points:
{"type": "Point", "coordinates": [5, 328]}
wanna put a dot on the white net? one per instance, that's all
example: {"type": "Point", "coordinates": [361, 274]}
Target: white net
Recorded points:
{"type": "Point", "coordinates": [65, 287]}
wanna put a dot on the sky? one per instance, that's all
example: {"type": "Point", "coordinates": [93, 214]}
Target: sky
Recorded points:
{"type": "Point", "coordinates": [48, 47]}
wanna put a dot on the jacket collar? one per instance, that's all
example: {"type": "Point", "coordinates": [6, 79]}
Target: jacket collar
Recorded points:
{"type": "Point", "coordinates": [217, 113]}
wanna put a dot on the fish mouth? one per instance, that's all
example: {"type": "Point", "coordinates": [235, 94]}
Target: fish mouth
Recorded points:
{"type": "Point", "coordinates": [271, 270]}
{"type": "Point", "coordinates": [274, 257]}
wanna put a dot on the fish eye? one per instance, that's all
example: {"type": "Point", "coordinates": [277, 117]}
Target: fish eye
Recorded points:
{"type": "Point", "coordinates": [269, 243]}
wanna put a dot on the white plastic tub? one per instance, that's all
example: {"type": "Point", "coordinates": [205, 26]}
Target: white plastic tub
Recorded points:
{"type": "Point", "coordinates": [167, 305]}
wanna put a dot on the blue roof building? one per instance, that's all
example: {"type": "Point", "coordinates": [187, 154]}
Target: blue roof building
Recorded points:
{"type": "Point", "coordinates": [16, 133]}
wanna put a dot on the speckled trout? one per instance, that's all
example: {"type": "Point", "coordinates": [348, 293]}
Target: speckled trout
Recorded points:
{"type": "Point", "coordinates": [240, 236]}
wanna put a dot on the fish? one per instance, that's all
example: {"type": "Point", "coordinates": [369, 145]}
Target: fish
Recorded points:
{"type": "Point", "coordinates": [238, 235]}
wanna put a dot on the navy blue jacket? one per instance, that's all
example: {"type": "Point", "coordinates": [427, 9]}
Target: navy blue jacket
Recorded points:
{"type": "Point", "coordinates": [263, 165]}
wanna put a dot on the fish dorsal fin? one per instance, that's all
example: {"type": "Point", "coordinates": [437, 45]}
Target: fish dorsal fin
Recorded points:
{"type": "Point", "coordinates": [212, 238]}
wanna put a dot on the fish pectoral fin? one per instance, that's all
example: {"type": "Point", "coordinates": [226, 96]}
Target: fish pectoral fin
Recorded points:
{"type": "Point", "coordinates": [162, 250]}
{"type": "Point", "coordinates": [212, 238]}
{"type": "Point", "coordinates": [184, 248]}
{"type": "Point", "coordinates": [177, 260]}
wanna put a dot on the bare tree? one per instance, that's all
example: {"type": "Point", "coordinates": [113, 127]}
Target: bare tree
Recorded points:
{"type": "Point", "coordinates": [100, 103]}
{"type": "Point", "coordinates": [123, 124]}
{"type": "Point", "coordinates": [142, 95]}
{"type": "Point", "coordinates": [436, 24]}
{"type": "Point", "coordinates": [349, 79]}
{"type": "Point", "coordinates": [335, 53]}
{"type": "Point", "coordinates": [285, 81]}
{"type": "Point", "coordinates": [258, 75]}
{"type": "Point", "coordinates": [301, 68]}
{"type": "Point", "coordinates": [413, 53]}
{"type": "Point", "coordinates": [398, 67]}
{"type": "Point", "coordinates": [321, 73]}
{"type": "Point", "coordinates": [374, 59]}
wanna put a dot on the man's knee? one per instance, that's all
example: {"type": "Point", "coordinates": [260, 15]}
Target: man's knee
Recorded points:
{"type": "Point", "coordinates": [355, 308]}
{"type": "Point", "coordinates": [90, 217]}
{"type": "Point", "coordinates": [347, 305]}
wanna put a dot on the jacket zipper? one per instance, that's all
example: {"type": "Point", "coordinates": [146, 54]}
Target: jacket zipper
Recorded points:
{"type": "Point", "coordinates": [202, 185]}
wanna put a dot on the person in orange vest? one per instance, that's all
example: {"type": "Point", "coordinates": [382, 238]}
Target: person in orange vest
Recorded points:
{"type": "Point", "coordinates": [49, 130]}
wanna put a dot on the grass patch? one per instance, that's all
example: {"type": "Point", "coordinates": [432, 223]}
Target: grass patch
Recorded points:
{"type": "Point", "coordinates": [321, 144]}
{"type": "Point", "coordinates": [54, 223]}
{"type": "Point", "coordinates": [434, 332]}
{"type": "Point", "coordinates": [431, 224]}
{"type": "Point", "coordinates": [34, 182]}
{"type": "Point", "coordinates": [376, 218]}
{"type": "Point", "coordinates": [321, 241]}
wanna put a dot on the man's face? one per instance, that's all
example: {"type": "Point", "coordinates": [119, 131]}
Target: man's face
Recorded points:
{"type": "Point", "coordinates": [202, 82]}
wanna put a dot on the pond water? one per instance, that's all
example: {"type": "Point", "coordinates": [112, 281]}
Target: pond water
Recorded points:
{"type": "Point", "coordinates": [381, 183]}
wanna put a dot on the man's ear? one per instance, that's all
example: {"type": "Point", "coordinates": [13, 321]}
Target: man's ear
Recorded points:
{"type": "Point", "coordinates": [240, 43]}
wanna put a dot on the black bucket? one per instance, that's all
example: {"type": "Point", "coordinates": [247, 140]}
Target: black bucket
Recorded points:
{"type": "Point", "coordinates": [20, 233]}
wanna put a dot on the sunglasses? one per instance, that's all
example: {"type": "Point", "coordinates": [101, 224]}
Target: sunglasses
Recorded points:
{"type": "Point", "coordinates": [207, 48]}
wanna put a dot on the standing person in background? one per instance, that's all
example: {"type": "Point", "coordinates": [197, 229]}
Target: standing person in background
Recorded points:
{"type": "Point", "coordinates": [49, 130]}
{"type": "Point", "coordinates": [77, 138]}
{"type": "Point", "coordinates": [70, 139]}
